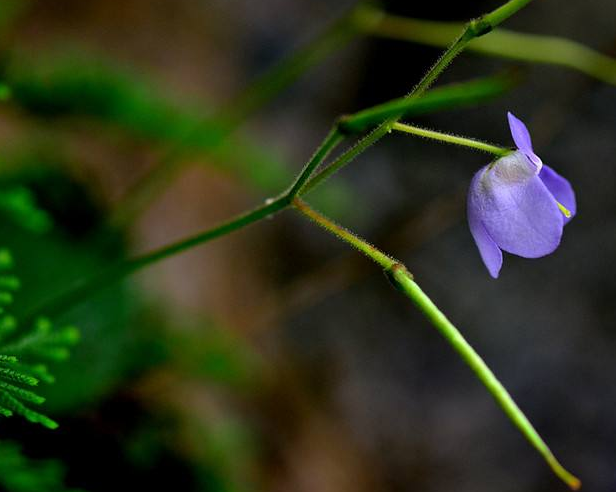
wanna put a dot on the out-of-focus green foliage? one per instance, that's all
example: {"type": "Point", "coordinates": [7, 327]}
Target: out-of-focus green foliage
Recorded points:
{"type": "Point", "coordinates": [65, 85]}
{"type": "Point", "coordinates": [9, 11]}
{"type": "Point", "coordinates": [50, 262]}
{"type": "Point", "coordinates": [216, 355]}
{"type": "Point", "coordinates": [5, 92]}
{"type": "Point", "coordinates": [21, 354]}
{"type": "Point", "coordinates": [18, 203]}
{"type": "Point", "coordinates": [78, 85]}
{"type": "Point", "coordinates": [18, 473]}
{"type": "Point", "coordinates": [86, 86]}
{"type": "Point", "coordinates": [226, 449]}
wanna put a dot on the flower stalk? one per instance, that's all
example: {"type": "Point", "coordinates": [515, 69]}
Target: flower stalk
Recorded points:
{"type": "Point", "coordinates": [376, 255]}
{"type": "Point", "coordinates": [304, 183]}
{"type": "Point", "coordinates": [410, 289]}
{"type": "Point", "coordinates": [451, 139]}
{"type": "Point", "coordinates": [307, 180]}
{"type": "Point", "coordinates": [403, 280]}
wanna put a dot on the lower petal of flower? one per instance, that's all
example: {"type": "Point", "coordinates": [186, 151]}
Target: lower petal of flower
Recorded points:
{"type": "Point", "coordinates": [490, 253]}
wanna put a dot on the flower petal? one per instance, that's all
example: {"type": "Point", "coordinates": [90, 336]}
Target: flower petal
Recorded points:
{"type": "Point", "coordinates": [522, 140]}
{"type": "Point", "coordinates": [490, 253]}
{"type": "Point", "coordinates": [560, 188]}
{"type": "Point", "coordinates": [517, 210]}
{"type": "Point", "coordinates": [520, 134]}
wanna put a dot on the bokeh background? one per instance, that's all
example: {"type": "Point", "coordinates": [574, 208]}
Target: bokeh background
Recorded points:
{"type": "Point", "coordinates": [276, 358]}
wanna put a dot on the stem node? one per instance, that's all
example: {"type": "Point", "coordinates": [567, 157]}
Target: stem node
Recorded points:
{"type": "Point", "coordinates": [479, 27]}
{"type": "Point", "coordinates": [342, 123]}
{"type": "Point", "coordinates": [394, 271]}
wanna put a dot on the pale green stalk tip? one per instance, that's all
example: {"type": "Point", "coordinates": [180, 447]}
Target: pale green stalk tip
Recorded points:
{"type": "Point", "coordinates": [451, 139]}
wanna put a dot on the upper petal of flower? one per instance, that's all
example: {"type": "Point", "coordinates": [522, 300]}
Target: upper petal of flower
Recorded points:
{"type": "Point", "coordinates": [522, 140]}
{"type": "Point", "coordinates": [560, 188]}
{"type": "Point", "coordinates": [490, 253]}
{"type": "Point", "coordinates": [518, 212]}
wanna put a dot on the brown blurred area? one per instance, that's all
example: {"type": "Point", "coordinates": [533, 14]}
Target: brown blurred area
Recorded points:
{"type": "Point", "coordinates": [354, 391]}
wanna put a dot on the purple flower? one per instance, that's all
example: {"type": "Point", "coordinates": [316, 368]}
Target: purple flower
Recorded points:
{"type": "Point", "coordinates": [518, 204]}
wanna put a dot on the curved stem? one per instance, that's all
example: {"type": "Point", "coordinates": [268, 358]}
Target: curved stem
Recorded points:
{"type": "Point", "coordinates": [409, 288]}
{"type": "Point", "coordinates": [303, 183]}
{"type": "Point", "coordinates": [384, 260]}
{"type": "Point", "coordinates": [451, 139]}
{"type": "Point", "coordinates": [404, 282]}
{"type": "Point", "coordinates": [397, 272]}
{"type": "Point", "coordinates": [473, 29]}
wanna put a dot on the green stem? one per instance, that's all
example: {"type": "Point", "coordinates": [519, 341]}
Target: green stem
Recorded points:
{"type": "Point", "coordinates": [83, 289]}
{"type": "Point", "coordinates": [445, 97]}
{"type": "Point", "coordinates": [303, 184]}
{"type": "Point", "coordinates": [387, 262]}
{"type": "Point", "coordinates": [403, 280]}
{"type": "Point", "coordinates": [473, 29]}
{"type": "Point", "coordinates": [235, 112]}
{"type": "Point", "coordinates": [346, 157]}
{"type": "Point", "coordinates": [286, 72]}
{"type": "Point", "coordinates": [505, 11]}
{"type": "Point", "coordinates": [333, 138]}
{"type": "Point", "coordinates": [391, 111]}
{"type": "Point", "coordinates": [409, 288]}
{"type": "Point", "coordinates": [448, 96]}
{"type": "Point", "coordinates": [397, 272]}
{"type": "Point", "coordinates": [86, 287]}
{"type": "Point", "coordinates": [452, 139]}
{"type": "Point", "coordinates": [533, 48]}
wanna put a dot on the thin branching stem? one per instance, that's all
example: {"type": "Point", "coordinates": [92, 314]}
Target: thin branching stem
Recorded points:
{"type": "Point", "coordinates": [85, 288]}
{"type": "Point", "coordinates": [305, 182]}
{"type": "Point", "coordinates": [239, 109]}
{"type": "Point", "coordinates": [384, 260]}
{"type": "Point", "coordinates": [403, 280]}
{"type": "Point", "coordinates": [396, 271]}
{"type": "Point", "coordinates": [473, 29]}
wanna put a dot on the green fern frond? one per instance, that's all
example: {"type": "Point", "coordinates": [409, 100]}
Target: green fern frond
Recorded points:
{"type": "Point", "coordinates": [45, 342]}
{"type": "Point", "coordinates": [21, 354]}
{"type": "Point", "coordinates": [10, 374]}
{"type": "Point", "coordinates": [23, 394]}
{"type": "Point", "coordinates": [38, 371]}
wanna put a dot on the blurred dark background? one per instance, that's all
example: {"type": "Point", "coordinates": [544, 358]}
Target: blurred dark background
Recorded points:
{"type": "Point", "coordinates": [276, 359]}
